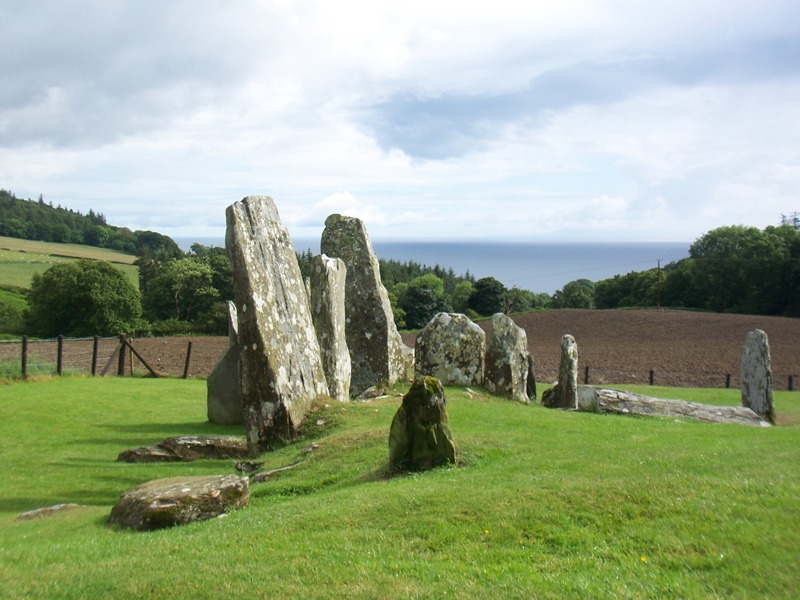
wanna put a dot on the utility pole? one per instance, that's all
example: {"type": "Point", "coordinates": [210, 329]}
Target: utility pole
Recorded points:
{"type": "Point", "coordinates": [658, 284]}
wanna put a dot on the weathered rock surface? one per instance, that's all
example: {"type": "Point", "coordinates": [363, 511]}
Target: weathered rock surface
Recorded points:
{"type": "Point", "coordinates": [757, 375]}
{"type": "Point", "coordinates": [280, 365]}
{"type": "Point", "coordinates": [451, 348]}
{"type": "Point", "coordinates": [565, 393]}
{"type": "Point", "coordinates": [507, 359]}
{"type": "Point", "coordinates": [180, 500]}
{"type": "Point", "coordinates": [327, 293]}
{"type": "Point", "coordinates": [46, 511]}
{"type": "Point", "coordinates": [621, 402]}
{"type": "Point", "coordinates": [188, 448]}
{"type": "Point", "coordinates": [223, 396]}
{"type": "Point", "coordinates": [377, 353]}
{"type": "Point", "coordinates": [420, 436]}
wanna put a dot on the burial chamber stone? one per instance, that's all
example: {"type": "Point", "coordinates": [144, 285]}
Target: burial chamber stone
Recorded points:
{"type": "Point", "coordinates": [420, 436]}
{"type": "Point", "coordinates": [179, 500]}
{"type": "Point", "coordinates": [280, 367]}
{"type": "Point", "coordinates": [327, 293]}
{"type": "Point", "coordinates": [507, 359]}
{"type": "Point", "coordinates": [223, 396]}
{"type": "Point", "coordinates": [451, 348]}
{"type": "Point", "coordinates": [757, 375]}
{"type": "Point", "coordinates": [564, 394]}
{"type": "Point", "coordinates": [377, 354]}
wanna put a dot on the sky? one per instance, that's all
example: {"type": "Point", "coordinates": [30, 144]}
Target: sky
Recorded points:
{"type": "Point", "coordinates": [535, 121]}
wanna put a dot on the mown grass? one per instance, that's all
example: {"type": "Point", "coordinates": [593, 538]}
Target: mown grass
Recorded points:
{"type": "Point", "coordinates": [545, 503]}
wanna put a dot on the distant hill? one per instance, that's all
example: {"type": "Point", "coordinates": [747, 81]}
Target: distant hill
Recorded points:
{"type": "Point", "coordinates": [41, 221]}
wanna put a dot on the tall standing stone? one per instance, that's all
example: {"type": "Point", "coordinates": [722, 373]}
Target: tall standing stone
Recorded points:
{"type": "Point", "coordinates": [757, 375]}
{"type": "Point", "coordinates": [280, 366]}
{"type": "Point", "coordinates": [507, 359]}
{"type": "Point", "coordinates": [451, 348]}
{"type": "Point", "coordinates": [224, 398]}
{"type": "Point", "coordinates": [327, 286]}
{"type": "Point", "coordinates": [565, 393]}
{"type": "Point", "coordinates": [377, 353]}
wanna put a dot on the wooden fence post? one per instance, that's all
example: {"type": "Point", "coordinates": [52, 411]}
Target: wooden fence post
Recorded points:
{"type": "Point", "coordinates": [791, 383]}
{"type": "Point", "coordinates": [652, 376]}
{"type": "Point", "coordinates": [728, 381]}
{"type": "Point", "coordinates": [94, 355]}
{"type": "Point", "coordinates": [586, 375]}
{"type": "Point", "coordinates": [60, 356]}
{"type": "Point", "coordinates": [121, 361]}
{"type": "Point", "coordinates": [24, 356]}
{"type": "Point", "coordinates": [188, 358]}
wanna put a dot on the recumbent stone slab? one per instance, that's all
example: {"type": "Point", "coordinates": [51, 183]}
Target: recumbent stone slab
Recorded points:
{"type": "Point", "coordinates": [280, 365]}
{"type": "Point", "coordinates": [451, 348]}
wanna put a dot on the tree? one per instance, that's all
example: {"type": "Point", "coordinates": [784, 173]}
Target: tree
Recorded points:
{"type": "Point", "coordinates": [576, 294]}
{"type": "Point", "coordinates": [421, 299]}
{"type": "Point", "coordinates": [181, 290]}
{"type": "Point", "coordinates": [488, 297]}
{"type": "Point", "coordinates": [83, 298]}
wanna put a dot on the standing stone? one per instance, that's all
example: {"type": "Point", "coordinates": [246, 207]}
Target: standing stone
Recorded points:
{"type": "Point", "coordinates": [757, 375]}
{"type": "Point", "coordinates": [279, 366]}
{"type": "Point", "coordinates": [507, 359]}
{"type": "Point", "coordinates": [565, 393]}
{"type": "Point", "coordinates": [420, 436]}
{"type": "Point", "coordinates": [531, 382]}
{"type": "Point", "coordinates": [327, 285]}
{"type": "Point", "coordinates": [224, 398]}
{"type": "Point", "coordinates": [451, 348]}
{"type": "Point", "coordinates": [377, 353]}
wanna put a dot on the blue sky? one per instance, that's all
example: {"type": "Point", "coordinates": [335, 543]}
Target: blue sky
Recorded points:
{"type": "Point", "coordinates": [537, 121]}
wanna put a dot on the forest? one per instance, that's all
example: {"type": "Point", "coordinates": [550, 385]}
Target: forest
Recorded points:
{"type": "Point", "coordinates": [729, 269]}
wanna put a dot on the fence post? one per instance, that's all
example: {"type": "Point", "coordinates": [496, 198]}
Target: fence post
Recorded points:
{"type": "Point", "coordinates": [586, 375]}
{"type": "Point", "coordinates": [652, 376]}
{"type": "Point", "coordinates": [121, 362]}
{"type": "Point", "coordinates": [188, 358]}
{"type": "Point", "coordinates": [60, 356]}
{"type": "Point", "coordinates": [728, 381]}
{"type": "Point", "coordinates": [24, 356]}
{"type": "Point", "coordinates": [791, 383]}
{"type": "Point", "coordinates": [94, 355]}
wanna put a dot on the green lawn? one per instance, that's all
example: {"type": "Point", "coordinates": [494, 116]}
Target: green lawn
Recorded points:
{"type": "Point", "coordinates": [545, 503]}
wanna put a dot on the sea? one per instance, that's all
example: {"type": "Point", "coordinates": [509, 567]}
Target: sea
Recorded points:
{"type": "Point", "coordinates": [535, 266]}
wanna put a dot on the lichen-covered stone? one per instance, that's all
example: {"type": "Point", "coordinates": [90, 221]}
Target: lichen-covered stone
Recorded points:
{"type": "Point", "coordinates": [327, 293]}
{"type": "Point", "coordinates": [420, 436]}
{"type": "Point", "coordinates": [186, 448]}
{"type": "Point", "coordinates": [377, 354]}
{"type": "Point", "coordinates": [223, 396]}
{"type": "Point", "coordinates": [451, 348]}
{"type": "Point", "coordinates": [565, 393]}
{"type": "Point", "coordinates": [179, 500]}
{"type": "Point", "coordinates": [507, 359]}
{"type": "Point", "coordinates": [757, 375]}
{"type": "Point", "coordinates": [280, 365]}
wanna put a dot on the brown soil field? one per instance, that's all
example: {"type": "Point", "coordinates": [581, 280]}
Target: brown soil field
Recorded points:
{"type": "Point", "coordinates": [682, 348]}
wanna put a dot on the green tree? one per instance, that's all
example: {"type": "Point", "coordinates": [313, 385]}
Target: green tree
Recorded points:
{"type": "Point", "coordinates": [576, 294]}
{"type": "Point", "coordinates": [488, 297]}
{"type": "Point", "coordinates": [83, 298]}
{"type": "Point", "coordinates": [421, 299]}
{"type": "Point", "coordinates": [459, 299]}
{"type": "Point", "coordinates": [181, 290]}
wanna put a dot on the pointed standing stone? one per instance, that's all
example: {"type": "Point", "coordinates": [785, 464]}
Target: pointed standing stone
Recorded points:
{"type": "Point", "coordinates": [507, 359]}
{"type": "Point", "coordinates": [757, 375]}
{"type": "Point", "coordinates": [377, 353]}
{"type": "Point", "coordinates": [327, 285]}
{"type": "Point", "coordinates": [280, 366]}
{"type": "Point", "coordinates": [565, 393]}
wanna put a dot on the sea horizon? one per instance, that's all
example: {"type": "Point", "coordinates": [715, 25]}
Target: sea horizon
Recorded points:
{"type": "Point", "coordinates": [535, 266]}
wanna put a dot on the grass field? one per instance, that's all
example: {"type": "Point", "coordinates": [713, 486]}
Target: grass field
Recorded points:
{"type": "Point", "coordinates": [545, 503]}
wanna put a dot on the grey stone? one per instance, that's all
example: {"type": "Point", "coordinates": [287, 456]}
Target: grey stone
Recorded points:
{"type": "Point", "coordinates": [565, 393]}
{"type": "Point", "coordinates": [377, 353]}
{"type": "Point", "coordinates": [757, 375]}
{"type": "Point", "coordinates": [327, 293]}
{"type": "Point", "coordinates": [187, 448]}
{"type": "Point", "coordinates": [46, 511]}
{"type": "Point", "coordinates": [507, 359]}
{"type": "Point", "coordinates": [420, 436]}
{"type": "Point", "coordinates": [223, 394]}
{"type": "Point", "coordinates": [179, 500]}
{"type": "Point", "coordinates": [451, 348]}
{"type": "Point", "coordinates": [280, 368]}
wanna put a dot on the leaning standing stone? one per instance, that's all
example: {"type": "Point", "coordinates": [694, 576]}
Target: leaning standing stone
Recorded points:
{"type": "Point", "coordinates": [327, 285]}
{"type": "Point", "coordinates": [451, 348]}
{"type": "Point", "coordinates": [565, 393]}
{"type": "Point", "coordinates": [377, 353]}
{"type": "Point", "coordinates": [507, 359]}
{"type": "Point", "coordinates": [420, 435]}
{"type": "Point", "coordinates": [280, 366]}
{"type": "Point", "coordinates": [757, 375]}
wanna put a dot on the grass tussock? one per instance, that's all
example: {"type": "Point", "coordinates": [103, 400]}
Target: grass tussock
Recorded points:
{"type": "Point", "coordinates": [542, 504]}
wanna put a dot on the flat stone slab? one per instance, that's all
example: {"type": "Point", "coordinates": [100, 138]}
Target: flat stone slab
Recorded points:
{"type": "Point", "coordinates": [179, 500]}
{"type": "Point", "coordinates": [40, 513]}
{"type": "Point", "coordinates": [187, 448]}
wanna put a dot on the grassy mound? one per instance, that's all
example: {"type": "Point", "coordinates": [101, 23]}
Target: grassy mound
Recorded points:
{"type": "Point", "coordinates": [543, 504]}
